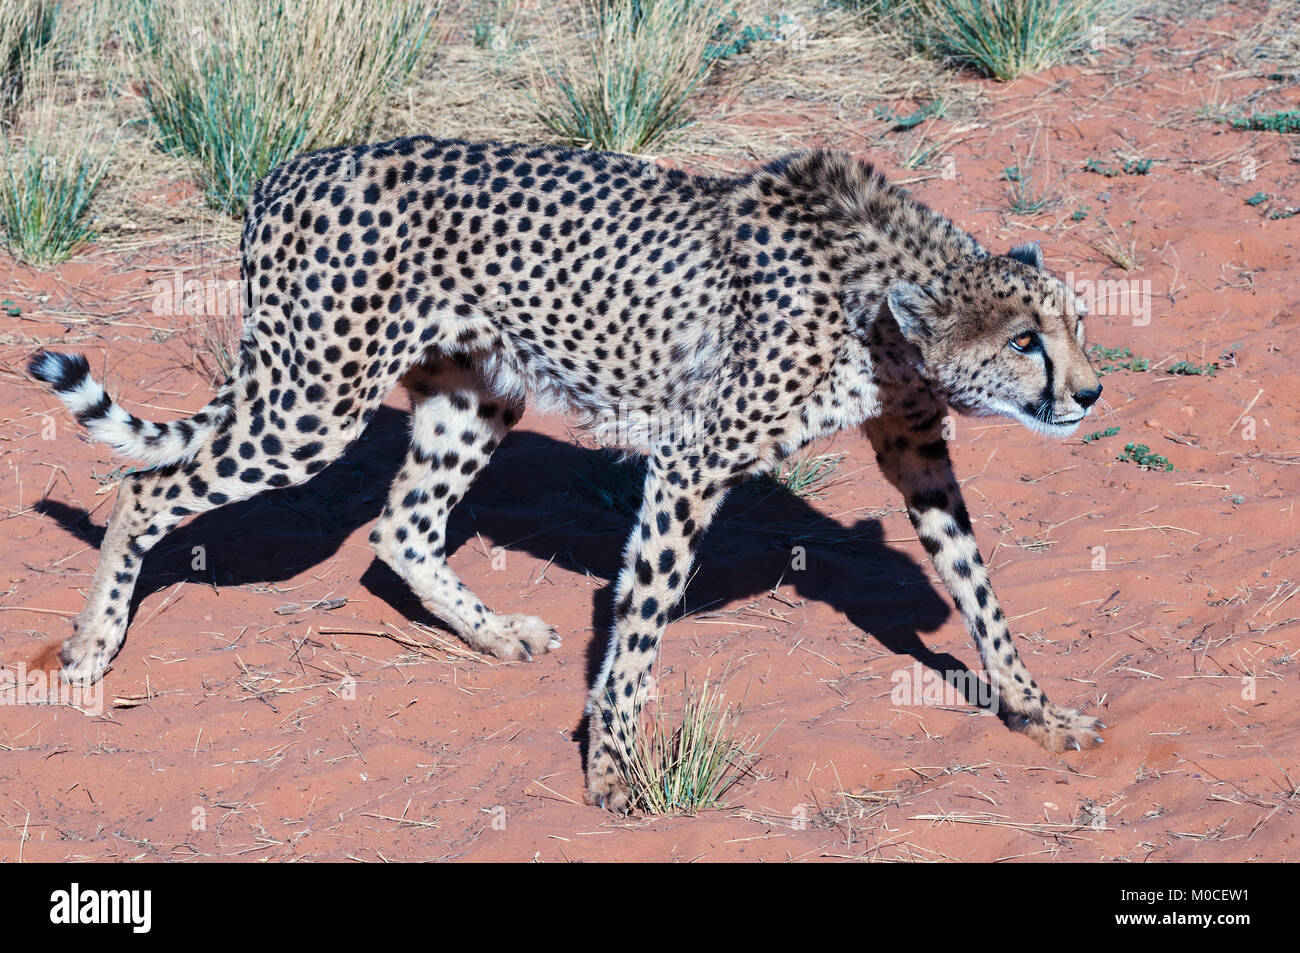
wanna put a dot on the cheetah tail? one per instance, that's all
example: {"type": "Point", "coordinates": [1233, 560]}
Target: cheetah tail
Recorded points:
{"type": "Point", "coordinates": [68, 376]}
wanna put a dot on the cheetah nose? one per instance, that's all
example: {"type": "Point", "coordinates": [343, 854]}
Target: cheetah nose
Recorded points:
{"type": "Point", "coordinates": [1086, 398]}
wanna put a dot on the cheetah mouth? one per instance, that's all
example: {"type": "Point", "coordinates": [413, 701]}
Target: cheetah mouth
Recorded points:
{"type": "Point", "coordinates": [1054, 427]}
{"type": "Point", "coordinates": [1040, 419]}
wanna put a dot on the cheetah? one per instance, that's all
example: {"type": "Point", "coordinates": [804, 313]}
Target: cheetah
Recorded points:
{"type": "Point", "coordinates": [739, 317]}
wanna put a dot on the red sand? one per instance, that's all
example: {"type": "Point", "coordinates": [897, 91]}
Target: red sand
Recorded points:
{"type": "Point", "coordinates": [1162, 601]}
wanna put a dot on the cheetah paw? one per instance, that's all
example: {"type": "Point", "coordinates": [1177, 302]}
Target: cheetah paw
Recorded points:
{"type": "Point", "coordinates": [520, 637]}
{"type": "Point", "coordinates": [609, 793]}
{"type": "Point", "coordinates": [83, 663]}
{"type": "Point", "coordinates": [607, 786]}
{"type": "Point", "coordinates": [1060, 729]}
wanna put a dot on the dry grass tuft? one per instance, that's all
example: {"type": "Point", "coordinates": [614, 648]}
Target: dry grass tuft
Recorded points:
{"type": "Point", "coordinates": [25, 27]}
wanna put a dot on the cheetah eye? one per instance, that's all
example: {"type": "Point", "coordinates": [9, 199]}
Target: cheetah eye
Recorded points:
{"type": "Point", "coordinates": [1025, 341]}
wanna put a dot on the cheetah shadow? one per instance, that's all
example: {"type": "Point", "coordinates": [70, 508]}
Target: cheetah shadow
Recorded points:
{"type": "Point", "coordinates": [543, 496]}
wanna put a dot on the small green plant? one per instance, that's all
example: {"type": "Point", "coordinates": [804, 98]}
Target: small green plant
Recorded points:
{"type": "Point", "coordinates": [1022, 196]}
{"type": "Point", "coordinates": [808, 478]}
{"type": "Point", "coordinates": [1118, 250]}
{"type": "Point", "coordinates": [1100, 434]}
{"type": "Point", "coordinates": [1141, 454]}
{"type": "Point", "coordinates": [1190, 369]}
{"type": "Point", "coordinates": [1097, 166]}
{"type": "Point", "coordinates": [642, 62]}
{"type": "Point", "coordinates": [10, 308]}
{"type": "Point", "coordinates": [729, 39]}
{"type": "Point", "coordinates": [689, 763]}
{"type": "Point", "coordinates": [931, 110]}
{"type": "Point", "coordinates": [1118, 359]}
{"type": "Point", "coordinates": [1080, 213]}
{"type": "Point", "coordinates": [1284, 121]}
{"type": "Point", "coordinates": [1005, 39]}
{"type": "Point", "coordinates": [617, 482]}
{"type": "Point", "coordinates": [1273, 206]}
{"type": "Point", "coordinates": [1130, 167]}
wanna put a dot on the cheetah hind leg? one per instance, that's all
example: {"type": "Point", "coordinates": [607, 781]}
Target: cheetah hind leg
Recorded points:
{"type": "Point", "coordinates": [455, 427]}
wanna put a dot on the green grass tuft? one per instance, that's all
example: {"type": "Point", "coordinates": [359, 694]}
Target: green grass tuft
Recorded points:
{"type": "Point", "coordinates": [642, 63]}
{"type": "Point", "coordinates": [691, 762]}
{"type": "Point", "coordinates": [243, 85]}
{"type": "Point", "coordinates": [808, 478]}
{"type": "Point", "coordinates": [45, 200]}
{"type": "Point", "coordinates": [56, 154]}
{"type": "Point", "coordinates": [492, 25]}
{"type": "Point", "coordinates": [26, 28]}
{"type": "Point", "coordinates": [1005, 39]}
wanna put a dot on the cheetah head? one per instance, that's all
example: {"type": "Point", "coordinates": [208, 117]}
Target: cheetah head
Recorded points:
{"type": "Point", "coordinates": [1001, 335]}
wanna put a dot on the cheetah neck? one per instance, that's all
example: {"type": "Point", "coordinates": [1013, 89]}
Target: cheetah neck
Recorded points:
{"type": "Point", "coordinates": [866, 234]}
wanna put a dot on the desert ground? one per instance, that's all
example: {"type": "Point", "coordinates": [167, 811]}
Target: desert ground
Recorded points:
{"type": "Point", "coordinates": [282, 696]}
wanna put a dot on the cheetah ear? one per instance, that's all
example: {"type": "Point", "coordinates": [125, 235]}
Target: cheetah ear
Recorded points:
{"type": "Point", "coordinates": [913, 309]}
{"type": "Point", "coordinates": [1030, 253]}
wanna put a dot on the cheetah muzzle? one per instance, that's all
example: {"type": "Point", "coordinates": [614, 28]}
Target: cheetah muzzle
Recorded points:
{"type": "Point", "coordinates": [743, 317]}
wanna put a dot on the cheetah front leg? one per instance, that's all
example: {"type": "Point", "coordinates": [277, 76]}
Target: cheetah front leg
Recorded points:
{"type": "Point", "coordinates": [913, 455]}
{"type": "Point", "coordinates": [683, 489]}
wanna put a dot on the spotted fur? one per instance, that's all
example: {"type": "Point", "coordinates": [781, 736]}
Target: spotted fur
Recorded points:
{"type": "Point", "coordinates": [733, 319]}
